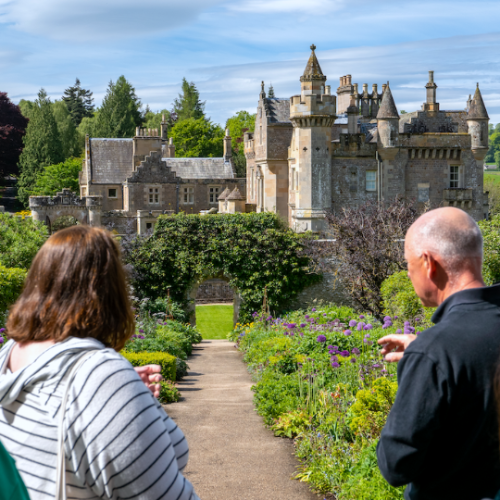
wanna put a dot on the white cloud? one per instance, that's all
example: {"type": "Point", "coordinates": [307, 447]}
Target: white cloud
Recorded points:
{"type": "Point", "coordinates": [96, 20]}
{"type": "Point", "coordinates": [312, 7]}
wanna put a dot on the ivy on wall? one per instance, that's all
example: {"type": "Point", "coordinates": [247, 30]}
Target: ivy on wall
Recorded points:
{"type": "Point", "coordinates": [255, 251]}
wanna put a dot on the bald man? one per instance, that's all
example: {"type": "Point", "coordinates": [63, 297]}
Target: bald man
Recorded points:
{"type": "Point", "coordinates": [441, 436]}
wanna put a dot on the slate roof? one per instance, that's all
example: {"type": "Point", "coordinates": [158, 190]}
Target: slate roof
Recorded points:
{"type": "Point", "coordinates": [111, 160]}
{"type": "Point", "coordinates": [278, 110]}
{"type": "Point", "coordinates": [224, 194]}
{"type": "Point", "coordinates": [388, 106]}
{"type": "Point", "coordinates": [477, 108]}
{"type": "Point", "coordinates": [235, 195]}
{"type": "Point", "coordinates": [200, 168]}
{"type": "Point", "coordinates": [313, 69]}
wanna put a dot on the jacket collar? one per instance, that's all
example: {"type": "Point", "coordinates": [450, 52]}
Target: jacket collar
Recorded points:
{"type": "Point", "coordinates": [489, 294]}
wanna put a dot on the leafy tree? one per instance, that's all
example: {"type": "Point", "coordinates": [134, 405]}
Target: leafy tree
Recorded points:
{"type": "Point", "coordinates": [197, 138]}
{"type": "Point", "coordinates": [238, 124]}
{"type": "Point", "coordinates": [11, 285]}
{"type": "Point", "coordinates": [188, 104]}
{"type": "Point", "coordinates": [27, 108]}
{"type": "Point", "coordinates": [120, 112]}
{"type": "Point", "coordinates": [54, 178]}
{"type": "Point", "coordinates": [67, 130]}
{"type": "Point", "coordinates": [403, 112]}
{"type": "Point", "coordinates": [494, 146]}
{"type": "Point", "coordinates": [42, 145]}
{"type": "Point", "coordinates": [79, 102]}
{"type": "Point", "coordinates": [270, 93]}
{"type": "Point", "coordinates": [153, 120]}
{"type": "Point", "coordinates": [20, 240]}
{"type": "Point", "coordinates": [12, 129]}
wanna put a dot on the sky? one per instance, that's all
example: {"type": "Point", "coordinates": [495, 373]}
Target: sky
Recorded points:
{"type": "Point", "coordinates": [228, 47]}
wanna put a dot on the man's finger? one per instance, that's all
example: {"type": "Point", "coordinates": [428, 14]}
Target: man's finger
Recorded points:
{"type": "Point", "coordinates": [393, 357]}
{"type": "Point", "coordinates": [396, 338]}
{"type": "Point", "coordinates": [148, 369]}
{"type": "Point", "coordinates": [155, 378]}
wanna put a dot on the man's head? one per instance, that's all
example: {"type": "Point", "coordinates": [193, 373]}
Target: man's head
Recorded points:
{"type": "Point", "coordinates": [444, 251]}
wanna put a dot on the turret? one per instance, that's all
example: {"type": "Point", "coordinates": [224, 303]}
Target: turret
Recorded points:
{"type": "Point", "coordinates": [388, 121]}
{"type": "Point", "coordinates": [477, 120]}
{"type": "Point", "coordinates": [228, 152]}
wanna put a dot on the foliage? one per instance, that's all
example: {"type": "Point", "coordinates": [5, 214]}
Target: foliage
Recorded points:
{"type": "Point", "coordinates": [197, 139]}
{"type": "Point", "coordinates": [165, 360]}
{"type": "Point", "coordinates": [256, 252]}
{"type": "Point", "coordinates": [153, 120]}
{"type": "Point", "coordinates": [291, 424]}
{"type": "Point", "coordinates": [238, 124]}
{"type": "Point", "coordinates": [270, 92]}
{"type": "Point", "coordinates": [119, 114]}
{"type": "Point", "coordinates": [20, 240]}
{"type": "Point", "coordinates": [42, 145]}
{"type": "Point", "coordinates": [12, 129]}
{"type": "Point", "coordinates": [492, 186]}
{"type": "Point", "coordinates": [494, 144]}
{"type": "Point", "coordinates": [79, 102]}
{"type": "Point", "coordinates": [168, 393]}
{"type": "Point", "coordinates": [53, 178]}
{"type": "Point", "coordinates": [367, 247]}
{"type": "Point", "coordinates": [163, 305]}
{"type": "Point", "coordinates": [491, 241]}
{"type": "Point", "coordinates": [188, 105]}
{"type": "Point", "coordinates": [68, 133]}
{"type": "Point", "coordinates": [11, 285]}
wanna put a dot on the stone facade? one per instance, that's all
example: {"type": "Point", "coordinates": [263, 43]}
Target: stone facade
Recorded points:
{"type": "Point", "coordinates": [316, 152]}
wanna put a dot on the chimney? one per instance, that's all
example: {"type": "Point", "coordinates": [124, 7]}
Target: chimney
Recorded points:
{"type": "Point", "coordinates": [164, 128]}
{"type": "Point", "coordinates": [349, 80]}
{"type": "Point", "coordinates": [171, 148]}
{"type": "Point", "coordinates": [328, 90]}
{"type": "Point", "coordinates": [228, 153]}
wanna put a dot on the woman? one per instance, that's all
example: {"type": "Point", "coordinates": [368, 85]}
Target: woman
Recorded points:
{"type": "Point", "coordinates": [118, 441]}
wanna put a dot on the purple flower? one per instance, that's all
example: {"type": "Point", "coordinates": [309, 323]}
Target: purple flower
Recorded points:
{"type": "Point", "coordinates": [330, 347]}
{"type": "Point", "coordinates": [355, 350]}
{"type": "Point", "coordinates": [334, 359]}
{"type": "Point", "coordinates": [418, 333]}
{"type": "Point", "coordinates": [347, 333]}
{"type": "Point", "coordinates": [1, 340]}
{"type": "Point", "coordinates": [388, 323]}
{"type": "Point", "coordinates": [360, 326]}
{"type": "Point", "coordinates": [345, 354]}
{"type": "Point", "coordinates": [335, 364]}
{"type": "Point", "coordinates": [376, 365]}
{"type": "Point", "coordinates": [313, 309]}
{"type": "Point", "coordinates": [407, 323]}
{"type": "Point", "coordinates": [292, 325]}
{"type": "Point", "coordinates": [324, 314]}
{"type": "Point", "coordinates": [367, 336]}
{"type": "Point", "coordinates": [141, 330]}
{"type": "Point", "coordinates": [385, 325]}
{"type": "Point", "coordinates": [383, 370]}
{"type": "Point", "coordinates": [368, 327]}
{"type": "Point", "coordinates": [417, 319]}
{"type": "Point", "coordinates": [142, 337]}
{"type": "Point", "coordinates": [361, 316]}
{"type": "Point", "coordinates": [399, 330]}
{"type": "Point", "coordinates": [269, 318]}
{"type": "Point", "coordinates": [387, 318]}
{"type": "Point", "coordinates": [306, 316]}
{"type": "Point", "coordinates": [302, 325]}
{"type": "Point", "coordinates": [321, 338]}
{"type": "Point", "coordinates": [2, 330]}
{"type": "Point", "coordinates": [301, 334]}
{"type": "Point", "coordinates": [255, 314]}
{"type": "Point", "coordinates": [335, 347]}
{"type": "Point", "coordinates": [395, 317]}
{"type": "Point", "coordinates": [285, 333]}
{"type": "Point", "coordinates": [352, 323]}
{"type": "Point", "coordinates": [353, 360]}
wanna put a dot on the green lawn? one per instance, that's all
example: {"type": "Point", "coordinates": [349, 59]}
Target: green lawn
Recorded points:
{"type": "Point", "coordinates": [494, 176]}
{"type": "Point", "coordinates": [214, 322]}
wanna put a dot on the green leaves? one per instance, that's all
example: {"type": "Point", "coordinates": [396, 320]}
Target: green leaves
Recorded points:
{"type": "Point", "coordinates": [491, 241]}
{"type": "Point", "coordinates": [188, 105]}
{"type": "Point", "coordinates": [54, 178]}
{"type": "Point", "coordinates": [197, 138]}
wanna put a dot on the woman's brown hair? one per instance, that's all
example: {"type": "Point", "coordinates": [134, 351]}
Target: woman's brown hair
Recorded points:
{"type": "Point", "coordinates": [76, 287]}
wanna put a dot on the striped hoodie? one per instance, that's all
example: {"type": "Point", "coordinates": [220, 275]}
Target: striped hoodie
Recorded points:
{"type": "Point", "coordinates": [119, 442]}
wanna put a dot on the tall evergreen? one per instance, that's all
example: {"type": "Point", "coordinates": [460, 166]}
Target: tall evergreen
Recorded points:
{"type": "Point", "coordinates": [120, 112]}
{"type": "Point", "coordinates": [79, 102]}
{"type": "Point", "coordinates": [42, 145]}
{"type": "Point", "coordinates": [188, 105]}
{"type": "Point", "coordinates": [67, 130]}
{"type": "Point", "coordinates": [270, 94]}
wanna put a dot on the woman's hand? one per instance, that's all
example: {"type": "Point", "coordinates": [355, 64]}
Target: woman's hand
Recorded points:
{"type": "Point", "coordinates": [150, 375]}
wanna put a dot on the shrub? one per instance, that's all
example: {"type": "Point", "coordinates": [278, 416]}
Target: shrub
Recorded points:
{"type": "Point", "coordinates": [168, 393]}
{"type": "Point", "coordinates": [163, 305]}
{"type": "Point", "coordinates": [11, 285]}
{"type": "Point", "coordinates": [165, 360]}
{"type": "Point", "coordinates": [491, 262]}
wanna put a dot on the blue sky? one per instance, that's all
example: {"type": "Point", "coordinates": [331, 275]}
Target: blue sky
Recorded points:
{"type": "Point", "coordinates": [227, 48]}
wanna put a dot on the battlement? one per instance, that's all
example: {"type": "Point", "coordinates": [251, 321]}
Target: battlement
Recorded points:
{"type": "Point", "coordinates": [313, 110]}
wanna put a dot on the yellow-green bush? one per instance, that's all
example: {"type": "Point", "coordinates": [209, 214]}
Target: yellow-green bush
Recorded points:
{"type": "Point", "coordinates": [11, 284]}
{"type": "Point", "coordinates": [166, 361]}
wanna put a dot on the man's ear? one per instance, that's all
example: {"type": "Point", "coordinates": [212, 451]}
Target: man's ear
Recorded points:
{"type": "Point", "coordinates": [430, 265]}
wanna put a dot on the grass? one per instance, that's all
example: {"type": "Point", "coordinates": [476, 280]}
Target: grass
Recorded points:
{"type": "Point", "coordinates": [214, 322]}
{"type": "Point", "coordinates": [492, 176]}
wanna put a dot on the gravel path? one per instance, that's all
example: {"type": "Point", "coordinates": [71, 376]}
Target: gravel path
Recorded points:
{"type": "Point", "coordinates": [232, 455]}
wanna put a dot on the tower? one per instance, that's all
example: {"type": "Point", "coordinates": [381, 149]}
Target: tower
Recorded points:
{"type": "Point", "coordinates": [312, 114]}
{"type": "Point", "coordinates": [477, 120]}
{"type": "Point", "coordinates": [388, 126]}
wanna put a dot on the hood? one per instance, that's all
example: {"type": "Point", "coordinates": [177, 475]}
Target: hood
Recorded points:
{"type": "Point", "coordinates": [47, 368]}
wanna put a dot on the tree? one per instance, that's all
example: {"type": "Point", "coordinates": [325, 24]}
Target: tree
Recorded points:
{"type": "Point", "coordinates": [54, 178]}
{"type": "Point", "coordinates": [67, 130]}
{"type": "Point", "coordinates": [238, 124]}
{"type": "Point", "coordinates": [42, 145]}
{"type": "Point", "coordinates": [120, 112]}
{"type": "Point", "coordinates": [197, 138]}
{"type": "Point", "coordinates": [79, 102]}
{"type": "Point", "coordinates": [270, 93]}
{"type": "Point", "coordinates": [188, 105]}
{"type": "Point", "coordinates": [153, 120]}
{"type": "Point", "coordinates": [365, 248]}
{"type": "Point", "coordinates": [494, 146]}
{"type": "Point", "coordinates": [491, 255]}
{"type": "Point", "coordinates": [12, 129]}
{"type": "Point", "coordinates": [493, 188]}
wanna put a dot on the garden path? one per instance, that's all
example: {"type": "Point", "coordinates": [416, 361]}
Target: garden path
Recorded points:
{"type": "Point", "coordinates": [232, 455]}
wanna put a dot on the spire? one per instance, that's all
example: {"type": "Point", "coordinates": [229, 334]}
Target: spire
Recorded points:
{"type": "Point", "coordinates": [477, 108]}
{"type": "Point", "coordinates": [387, 107]}
{"type": "Point", "coordinates": [313, 69]}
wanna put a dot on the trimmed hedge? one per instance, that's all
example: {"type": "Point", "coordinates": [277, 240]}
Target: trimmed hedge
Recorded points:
{"type": "Point", "coordinates": [11, 285]}
{"type": "Point", "coordinates": [166, 361]}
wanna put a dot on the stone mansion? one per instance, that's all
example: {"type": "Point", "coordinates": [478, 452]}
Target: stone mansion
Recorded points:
{"type": "Point", "coordinates": [308, 154]}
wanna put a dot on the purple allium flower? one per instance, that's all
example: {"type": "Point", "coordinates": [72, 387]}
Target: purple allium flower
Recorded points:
{"type": "Point", "coordinates": [142, 337]}
{"type": "Point", "coordinates": [335, 364]}
{"type": "Point", "coordinates": [330, 347]}
{"type": "Point", "coordinates": [269, 318]}
{"type": "Point", "coordinates": [1, 340]}
{"type": "Point", "coordinates": [352, 323]}
{"type": "Point", "coordinates": [387, 318]}
{"type": "Point", "coordinates": [399, 330]}
{"type": "Point", "coordinates": [321, 338]}
{"type": "Point", "coordinates": [418, 333]}
{"type": "Point", "coordinates": [385, 325]}
{"type": "Point", "coordinates": [345, 354]}
{"type": "Point", "coordinates": [367, 336]}
{"type": "Point", "coordinates": [292, 325]}
{"type": "Point", "coordinates": [417, 319]}
{"type": "Point", "coordinates": [335, 347]}
{"type": "Point", "coordinates": [306, 316]}
{"type": "Point", "coordinates": [395, 317]}
{"type": "Point", "coordinates": [383, 370]}
{"type": "Point", "coordinates": [370, 342]}
{"type": "Point", "coordinates": [2, 330]}
{"type": "Point", "coordinates": [361, 316]}
{"type": "Point", "coordinates": [368, 327]}
{"type": "Point", "coordinates": [313, 309]}
{"type": "Point", "coordinates": [324, 314]}
{"type": "Point", "coordinates": [334, 359]}
{"type": "Point", "coordinates": [255, 314]}
{"type": "Point", "coordinates": [141, 330]}
{"type": "Point", "coordinates": [347, 333]}
{"type": "Point", "coordinates": [355, 350]}
{"type": "Point", "coordinates": [407, 323]}
{"type": "Point", "coordinates": [353, 360]}
{"type": "Point", "coordinates": [360, 326]}
{"type": "Point", "coordinates": [376, 366]}
{"type": "Point", "coordinates": [285, 333]}
{"type": "Point", "coordinates": [302, 325]}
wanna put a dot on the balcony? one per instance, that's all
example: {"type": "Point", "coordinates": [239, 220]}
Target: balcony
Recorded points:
{"type": "Point", "coordinates": [458, 197]}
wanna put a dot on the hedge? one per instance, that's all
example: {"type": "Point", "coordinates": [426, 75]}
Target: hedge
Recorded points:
{"type": "Point", "coordinates": [166, 361]}
{"type": "Point", "coordinates": [11, 285]}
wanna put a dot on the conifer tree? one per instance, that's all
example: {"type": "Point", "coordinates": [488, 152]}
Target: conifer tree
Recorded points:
{"type": "Point", "coordinates": [188, 105]}
{"type": "Point", "coordinates": [67, 130]}
{"type": "Point", "coordinates": [42, 145]}
{"type": "Point", "coordinates": [270, 94]}
{"type": "Point", "coordinates": [12, 129]}
{"type": "Point", "coordinates": [120, 112]}
{"type": "Point", "coordinates": [79, 102]}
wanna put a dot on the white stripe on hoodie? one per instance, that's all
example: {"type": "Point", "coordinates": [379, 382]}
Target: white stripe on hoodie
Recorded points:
{"type": "Point", "coordinates": [119, 442]}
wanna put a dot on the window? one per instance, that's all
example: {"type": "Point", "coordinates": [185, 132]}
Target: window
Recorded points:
{"type": "Point", "coordinates": [454, 176]}
{"type": "Point", "coordinates": [188, 196]}
{"type": "Point", "coordinates": [371, 180]}
{"type": "Point", "coordinates": [213, 194]}
{"type": "Point", "coordinates": [149, 225]}
{"type": "Point", "coordinates": [112, 193]}
{"type": "Point", "coordinates": [154, 196]}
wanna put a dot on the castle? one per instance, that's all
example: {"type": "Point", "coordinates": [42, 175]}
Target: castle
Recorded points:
{"type": "Point", "coordinates": [317, 152]}
{"type": "Point", "coordinates": [312, 153]}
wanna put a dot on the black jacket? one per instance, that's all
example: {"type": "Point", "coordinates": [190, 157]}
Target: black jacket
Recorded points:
{"type": "Point", "coordinates": [441, 436]}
